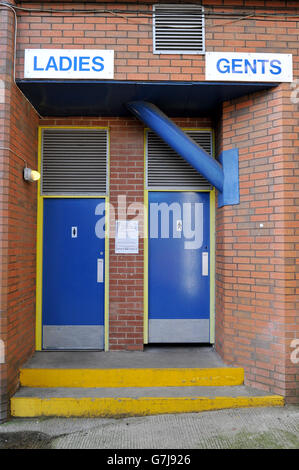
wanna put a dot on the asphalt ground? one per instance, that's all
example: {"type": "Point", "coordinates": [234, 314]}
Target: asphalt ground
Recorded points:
{"type": "Point", "coordinates": [247, 428]}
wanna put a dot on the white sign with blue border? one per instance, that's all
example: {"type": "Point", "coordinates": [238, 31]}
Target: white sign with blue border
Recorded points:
{"type": "Point", "coordinates": [249, 67]}
{"type": "Point", "coordinates": [69, 64]}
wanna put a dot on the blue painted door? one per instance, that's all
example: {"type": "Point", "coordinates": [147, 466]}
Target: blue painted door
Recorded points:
{"type": "Point", "coordinates": [179, 271]}
{"type": "Point", "coordinates": [73, 275]}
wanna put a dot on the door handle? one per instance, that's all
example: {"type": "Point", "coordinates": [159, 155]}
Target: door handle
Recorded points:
{"type": "Point", "coordinates": [100, 270]}
{"type": "Point", "coordinates": [205, 263]}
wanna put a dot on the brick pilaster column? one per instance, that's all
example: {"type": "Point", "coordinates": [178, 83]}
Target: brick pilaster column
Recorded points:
{"type": "Point", "coordinates": [6, 79]}
{"type": "Point", "coordinates": [256, 270]}
{"type": "Point", "coordinates": [18, 133]}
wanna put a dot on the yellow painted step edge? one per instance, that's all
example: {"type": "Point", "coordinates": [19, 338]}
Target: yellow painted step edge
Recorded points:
{"type": "Point", "coordinates": [93, 378]}
{"type": "Point", "coordinates": [116, 407]}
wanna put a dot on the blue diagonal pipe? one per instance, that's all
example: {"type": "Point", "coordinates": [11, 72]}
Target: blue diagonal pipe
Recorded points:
{"type": "Point", "coordinates": [198, 158]}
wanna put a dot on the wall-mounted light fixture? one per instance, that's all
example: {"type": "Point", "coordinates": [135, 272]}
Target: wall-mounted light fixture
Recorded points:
{"type": "Point", "coordinates": [31, 175]}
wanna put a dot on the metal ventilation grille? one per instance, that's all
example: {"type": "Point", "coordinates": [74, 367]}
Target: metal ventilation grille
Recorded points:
{"type": "Point", "coordinates": [74, 161]}
{"type": "Point", "coordinates": [178, 29]}
{"type": "Point", "coordinates": [168, 170]}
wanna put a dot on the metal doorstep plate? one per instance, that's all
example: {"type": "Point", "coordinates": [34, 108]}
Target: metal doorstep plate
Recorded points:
{"type": "Point", "coordinates": [73, 337]}
{"type": "Point", "coordinates": [179, 331]}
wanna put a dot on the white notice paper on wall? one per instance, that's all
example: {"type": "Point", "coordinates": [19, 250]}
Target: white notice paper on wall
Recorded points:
{"type": "Point", "coordinates": [126, 236]}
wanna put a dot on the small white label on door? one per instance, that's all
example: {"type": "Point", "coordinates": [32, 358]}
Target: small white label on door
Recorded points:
{"type": "Point", "coordinates": [205, 264]}
{"type": "Point", "coordinates": [74, 232]}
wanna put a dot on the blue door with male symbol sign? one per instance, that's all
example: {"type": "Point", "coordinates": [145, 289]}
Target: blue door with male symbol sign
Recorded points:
{"type": "Point", "coordinates": [179, 267]}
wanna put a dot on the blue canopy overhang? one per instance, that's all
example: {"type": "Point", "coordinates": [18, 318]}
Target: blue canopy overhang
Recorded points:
{"type": "Point", "coordinates": [143, 99]}
{"type": "Point", "coordinates": [62, 98]}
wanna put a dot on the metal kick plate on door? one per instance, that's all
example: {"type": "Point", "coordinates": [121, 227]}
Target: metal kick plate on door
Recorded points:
{"type": "Point", "coordinates": [205, 264]}
{"type": "Point", "coordinates": [100, 270]}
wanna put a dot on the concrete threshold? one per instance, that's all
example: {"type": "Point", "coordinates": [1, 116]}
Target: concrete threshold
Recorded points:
{"type": "Point", "coordinates": [153, 357]}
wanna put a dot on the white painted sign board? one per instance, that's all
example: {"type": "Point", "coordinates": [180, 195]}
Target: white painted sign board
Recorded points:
{"type": "Point", "coordinates": [69, 64]}
{"type": "Point", "coordinates": [249, 67]}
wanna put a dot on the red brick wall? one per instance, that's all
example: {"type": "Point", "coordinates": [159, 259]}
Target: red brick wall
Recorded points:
{"type": "Point", "coordinates": [21, 237]}
{"type": "Point", "coordinates": [126, 179]}
{"type": "Point", "coordinates": [130, 36]}
{"type": "Point", "coordinates": [6, 22]}
{"type": "Point", "coordinates": [257, 315]}
{"type": "Point", "coordinates": [257, 302]}
{"type": "Point", "coordinates": [18, 132]}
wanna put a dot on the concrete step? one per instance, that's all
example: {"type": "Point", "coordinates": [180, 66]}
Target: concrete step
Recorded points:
{"type": "Point", "coordinates": [158, 381]}
{"type": "Point", "coordinates": [116, 402]}
{"type": "Point", "coordinates": [153, 357]}
{"type": "Point", "coordinates": [132, 377]}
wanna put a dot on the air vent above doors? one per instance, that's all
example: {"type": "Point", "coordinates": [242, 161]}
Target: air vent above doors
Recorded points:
{"type": "Point", "coordinates": [178, 29]}
{"type": "Point", "coordinates": [166, 169]}
{"type": "Point", "coordinates": [74, 161]}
